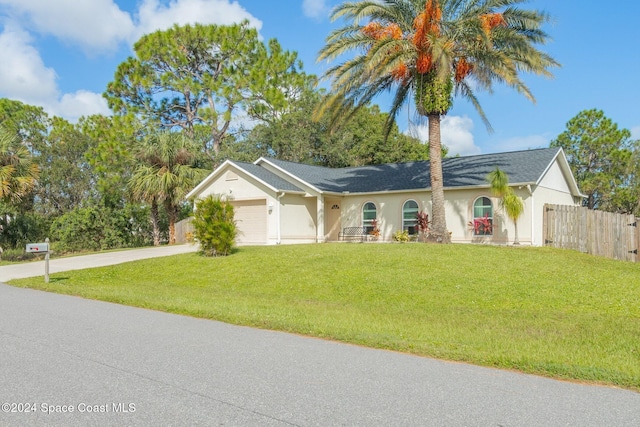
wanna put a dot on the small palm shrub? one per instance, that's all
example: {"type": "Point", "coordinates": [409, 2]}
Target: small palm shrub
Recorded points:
{"type": "Point", "coordinates": [214, 227]}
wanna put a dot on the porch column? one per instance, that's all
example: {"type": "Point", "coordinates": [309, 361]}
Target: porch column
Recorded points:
{"type": "Point", "coordinates": [320, 220]}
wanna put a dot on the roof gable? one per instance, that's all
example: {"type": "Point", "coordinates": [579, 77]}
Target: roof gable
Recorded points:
{"type": "Point", "coordinates": [262, 175]}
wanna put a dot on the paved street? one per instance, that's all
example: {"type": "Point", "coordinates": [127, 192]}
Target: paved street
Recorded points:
{"type": "Point", "coordinates": [106, 364]}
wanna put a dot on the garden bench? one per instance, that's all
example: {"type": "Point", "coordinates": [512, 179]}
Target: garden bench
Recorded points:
{"type": "Point", "coordinates": [353, 234]}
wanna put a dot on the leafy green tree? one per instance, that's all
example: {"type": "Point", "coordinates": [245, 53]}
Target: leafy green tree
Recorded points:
{"type": "Point", "coordinates": [169, 168]}
{"type": "Point", "coordinates": [66, 181]}
{"type": "Point", "coordinates": [297, 137]}
{"type": "Point", "coordinates": [93, 228]}
{"type": "Point", "coordinates": [364, 141]}
{"type": "Point", "coordinates": [204, 75]}
{"type": "Point", "coordinates": [110, 154]}
{"type": "Point", "coordinates": [427, 52]}
{"type": "Point", "coordinates": [20, 228]}
{"type": "Point", "coordinates": [31, 124]}
{"type": "Point", "coordinates": [603, 159]}
{"type": "Point", "coordinates": [627, 198]}
{"type": "Point", "coordinates": [214, 226]}
{"type": "Point", "coordinates": [510, 203]}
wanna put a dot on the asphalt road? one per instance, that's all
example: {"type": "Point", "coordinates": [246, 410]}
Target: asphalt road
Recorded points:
{"type": "Point", "coordinates": [118, 365]}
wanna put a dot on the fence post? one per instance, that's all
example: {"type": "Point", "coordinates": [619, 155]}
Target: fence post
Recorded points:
{"type": "Point", "coordinates": [637, 239]}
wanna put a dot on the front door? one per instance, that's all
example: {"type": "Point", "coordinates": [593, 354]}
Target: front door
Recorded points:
{"type": "Point", "coordinates": [332, 219]}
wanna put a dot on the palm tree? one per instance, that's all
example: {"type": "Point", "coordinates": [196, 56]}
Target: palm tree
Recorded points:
{"type": "Point", "coordinates": [510, 203]}
{"type": "Point", "coordinates": [513, 206]}
{"type": "Point", "coordinates": [145, 186]}
{"type": "Point", "coordinates": [427, 51]}
{"type": "Point", "coordinates": [18, 171]}
{"type": "Point", "coordinates": [169, 168]}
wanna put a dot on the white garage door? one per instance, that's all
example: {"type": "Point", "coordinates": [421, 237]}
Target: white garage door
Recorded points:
{"type": "Point", "coordinates": [251, 220]}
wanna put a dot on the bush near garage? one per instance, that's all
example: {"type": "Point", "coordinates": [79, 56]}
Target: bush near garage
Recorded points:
{"type": "Point", "coordinates": [214, 226]}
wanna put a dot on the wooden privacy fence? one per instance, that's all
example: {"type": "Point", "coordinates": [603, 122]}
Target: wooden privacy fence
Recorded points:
{"type": "Point", "coordinates": [184, 231]}
{"type": "Point", "coordinates": [598, 233]}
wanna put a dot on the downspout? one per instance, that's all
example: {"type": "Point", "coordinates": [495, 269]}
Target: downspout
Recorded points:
{"type": "Point", "coordinates": [278, 234]}
{"type": "Point", "coordinates": [533, 218]}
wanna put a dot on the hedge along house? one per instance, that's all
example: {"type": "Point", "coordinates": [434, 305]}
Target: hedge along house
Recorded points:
{"type": "Point", "coordinates": [284, 202]}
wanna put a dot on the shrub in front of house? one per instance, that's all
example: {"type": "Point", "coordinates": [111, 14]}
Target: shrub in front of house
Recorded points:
{"type": "Point", "coordinates": [401, 236]}
{"type": "Point", "coordinates": [92, 228]}
{"type": "Point", "coordinates": [214, 227]}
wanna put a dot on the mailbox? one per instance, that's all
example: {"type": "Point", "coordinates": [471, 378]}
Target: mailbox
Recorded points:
{"type": "Point", "coordinates": [37, 248]}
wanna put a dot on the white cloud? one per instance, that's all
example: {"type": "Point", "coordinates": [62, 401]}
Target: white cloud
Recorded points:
{"type": "Point", "coordinates": [315, 8]}
{"type": "Point", "coordinates": [100, 25]}
{"type": "Point", "coordinates": [153, 15]}
{"type": "Point", "coordinates": [456, 134]}
{"type": "Point", "coordinates": [635, 132]}
{"type": "Point", "coordinates": [82, 103]}
{"type": "Point", "coordinates": [92, 25]}
{"type": "Point", "coordinates": [25, 78]}
{"type": "Point", "coordinates": [23, 75]}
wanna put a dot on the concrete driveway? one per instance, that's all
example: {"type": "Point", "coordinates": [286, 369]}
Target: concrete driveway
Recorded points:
{"type": "Point", "coordinates": [70, 361]}
{"type": "Point", "coordinates": [56, 265]}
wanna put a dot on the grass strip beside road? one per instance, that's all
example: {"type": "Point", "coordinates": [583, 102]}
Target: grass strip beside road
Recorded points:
{"type": "Point", "coordinates": [537, 310]}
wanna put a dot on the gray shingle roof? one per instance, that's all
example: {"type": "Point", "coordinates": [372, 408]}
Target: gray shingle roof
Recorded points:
{"type": "Point", "coordinates": [521, 166]}
{"type": "Point", "coordinates": [268, 177]}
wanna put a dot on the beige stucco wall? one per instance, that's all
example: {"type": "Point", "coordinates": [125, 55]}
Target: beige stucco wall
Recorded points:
{"type": "Point", "coordinates": [389, 210]}
{"type": "Point", "coordinates": [236, 185]}
{"type": "Point", "coordinates": [458, 209]}
{"type": "Point", "coordinates": [298, 219]}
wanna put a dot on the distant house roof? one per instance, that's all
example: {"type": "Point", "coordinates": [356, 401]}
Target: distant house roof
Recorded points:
{"type": "Point", "coordinates": [522, 167]}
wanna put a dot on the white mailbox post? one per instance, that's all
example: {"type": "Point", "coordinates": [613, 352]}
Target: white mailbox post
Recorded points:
{"type": "Point", "coordinates": [41, 248]}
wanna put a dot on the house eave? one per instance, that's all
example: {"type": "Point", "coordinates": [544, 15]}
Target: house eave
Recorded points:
{"type": "Point", "coordinates": [414, 190]}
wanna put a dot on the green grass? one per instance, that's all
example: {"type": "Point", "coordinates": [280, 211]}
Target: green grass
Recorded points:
{"type": "Point", "coordinates": [538, 310]}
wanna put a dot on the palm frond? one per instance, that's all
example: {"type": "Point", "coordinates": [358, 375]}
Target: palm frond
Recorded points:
{"type": "Point", "coordinates": [497, 37]}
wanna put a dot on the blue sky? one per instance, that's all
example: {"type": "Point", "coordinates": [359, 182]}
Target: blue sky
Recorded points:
{"type": "Point", "coordinates": [60, 54]}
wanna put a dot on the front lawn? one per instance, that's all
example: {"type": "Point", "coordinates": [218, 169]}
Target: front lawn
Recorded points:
{"type": "Point", "coordinates": [538, 310]}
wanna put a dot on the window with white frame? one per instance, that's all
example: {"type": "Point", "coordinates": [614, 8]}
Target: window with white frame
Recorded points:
{"type": "Point", "coordinates": [369, 214]}
{"type": "Point", "coordinates": [482, 217]}
{"type": "Point", "coordinates": [409, 216]}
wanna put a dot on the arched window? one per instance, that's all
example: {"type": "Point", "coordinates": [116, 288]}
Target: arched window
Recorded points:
{"type": "Point", "coordinates": [482, 217]}
{"type": "Point", "coordinates": [409, 220]}
{"type": "Point", "coordinates": [369, 215]}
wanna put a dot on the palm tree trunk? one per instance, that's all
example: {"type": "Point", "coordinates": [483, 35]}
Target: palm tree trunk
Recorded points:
{"type": "Point", "coordinates": [155, 223]}
{"type": "Point", "coordinates": [516, 241]}
{"type": "Point", "coordinates": [438, 231]}
{"type": "Point", "coordinates": [172, 214]}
